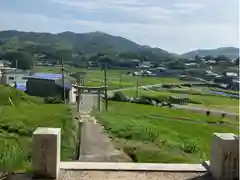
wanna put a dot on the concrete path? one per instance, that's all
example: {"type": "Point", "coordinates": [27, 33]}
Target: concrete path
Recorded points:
{"type": "Point", "coordinates": [95, 145]}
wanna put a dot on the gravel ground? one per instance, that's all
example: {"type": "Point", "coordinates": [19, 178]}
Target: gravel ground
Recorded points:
{"type": "Point", "coordinates": [120, 175]}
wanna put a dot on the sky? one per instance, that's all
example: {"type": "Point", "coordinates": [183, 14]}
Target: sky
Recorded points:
{"type": "Point", "coordinates": [177, 26]}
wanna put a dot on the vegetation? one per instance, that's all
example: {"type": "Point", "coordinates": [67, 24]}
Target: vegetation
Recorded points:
{"type": "Point", "coordinates": [19, 117]}
{"type": "Point", "coordinates": [206, 100]}
{"type": "Point", "coordinates": [153, 134]}
{"type": "Point", "coordinates": [84, 47]}
{"type": "Point", "coordinates": [230, 52]}
{"type": "Point", "coordinates": [97, 49]}
{"type": "Point", "coordinates": [116, 78]}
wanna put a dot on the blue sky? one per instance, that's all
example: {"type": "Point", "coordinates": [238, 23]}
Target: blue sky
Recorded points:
{"type": "Point", "coordinates": [174, 25]}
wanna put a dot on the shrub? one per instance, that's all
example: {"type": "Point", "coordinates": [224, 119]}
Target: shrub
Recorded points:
{"type": "Point", "coordinates": [142, 100]}
{"type": "Point", "coordinates": [119, 96]}
{"type": "Point", "coordinates": [53, 100]}
{"type": "Point", "coordinates": [190, 147]}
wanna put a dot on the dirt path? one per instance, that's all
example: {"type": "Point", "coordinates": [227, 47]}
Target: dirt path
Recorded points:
{"type": "Point", "coordinates": [96, 146]}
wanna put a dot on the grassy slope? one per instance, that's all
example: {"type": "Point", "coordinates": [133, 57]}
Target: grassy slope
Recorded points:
{"type": "Point", "coordinates": [17, 125]}
{"type": "Point", "coordinates": [211, 101]}
{"type": "Point", "coordinates": [159, 139]}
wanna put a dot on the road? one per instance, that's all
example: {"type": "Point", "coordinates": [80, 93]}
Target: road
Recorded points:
{"type": "Point", "coordinates": [201, 109]}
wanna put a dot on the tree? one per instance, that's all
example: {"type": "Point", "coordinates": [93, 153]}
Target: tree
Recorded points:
{"type": "Point", "coordinates": [64, 54]}
{"type": "Point", "coordinates": [176, 65]}
{"type": "Point", "coordinates": [23, 60]}
{"type": "Point", "coordinates": [223, 58]}
{"type": "Point", "coordinates": [197, 58]}
{"type": "Point", "coordinates": [105, 60]}
{"type": "Point", "coordinates": [208, 57]}
{"type": "Point", "coordinates": [237, 61]}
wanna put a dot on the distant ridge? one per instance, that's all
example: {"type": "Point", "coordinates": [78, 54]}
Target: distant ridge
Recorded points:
{"type": "Point", "coordinates": [231, 52]}
{"type": "Point", "coordinates": [87, 43]}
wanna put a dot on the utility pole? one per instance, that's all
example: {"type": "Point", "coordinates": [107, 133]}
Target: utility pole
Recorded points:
{"type": "Point", "coordinates": [16, 64]}
{"type": "Point", "coordinates": [63, 81]}
{"type": "Point", "coordinates": [78, 94]}
{"type": "Point", "coordinates": [137, 83]}
{"type": "Point", "coordinates": [105, 86]}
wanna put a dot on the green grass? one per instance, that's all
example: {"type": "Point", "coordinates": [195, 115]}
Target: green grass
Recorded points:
{"type": "Point", "coordinates": [206, 100]}
{"type": "Point", "coordinates": [18, 123]}
{"type": "Point", "coordinates": [116, 78]}
{"type": "Point", "coordinates": [160, 139]}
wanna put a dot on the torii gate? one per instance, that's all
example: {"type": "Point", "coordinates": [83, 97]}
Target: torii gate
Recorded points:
{"type": "Point", "coordinates": [89, 90]}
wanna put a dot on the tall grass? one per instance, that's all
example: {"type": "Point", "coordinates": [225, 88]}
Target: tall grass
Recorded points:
{"type": "Point", "coordinates": [18, 123]}
{"type": "Point", "coordinates": [159, 139]}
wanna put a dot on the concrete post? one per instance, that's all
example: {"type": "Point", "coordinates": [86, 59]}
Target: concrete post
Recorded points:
{"type": "Point", "coordinates": [46, 152]}
{"type": "Point", "coordinates": [224, 160]}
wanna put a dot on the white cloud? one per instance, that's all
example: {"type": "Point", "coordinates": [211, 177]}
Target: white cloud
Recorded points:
{"type": "Point", "coordinates": [175, 38]}
{"type": "Point", "coordinates": [187, 8]}
{"type": "Point", "coordinates": [164, 26]}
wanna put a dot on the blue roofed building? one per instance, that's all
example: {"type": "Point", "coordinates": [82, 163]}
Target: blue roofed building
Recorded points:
{"type": "Point", "coordinates": [21, 87]}
{"type": "Point", "coordinates": [49, 85]}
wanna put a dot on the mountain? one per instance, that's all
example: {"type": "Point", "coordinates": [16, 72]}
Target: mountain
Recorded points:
{"type": "Point", "coordinates": [231, 52]}
{"type": "Point", "coordinates": [86, 43]}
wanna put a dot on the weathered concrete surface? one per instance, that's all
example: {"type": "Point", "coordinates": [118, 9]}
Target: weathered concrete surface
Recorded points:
{"type": "Point", "coordinates": [123, 175]}
{"type": "Point", "coordinates": [129, 166]}
{"type": "Point", "coordinates": [120, 175]}
{"type": "Point", "coordinates": [96, 146]}
{"type": "Point", "coordinates": [46, 152]}
{"type": "Point", "coordinates": [224, 159]}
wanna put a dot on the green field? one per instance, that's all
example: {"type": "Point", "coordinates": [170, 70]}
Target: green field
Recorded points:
{"type": "Point", "coordinates": [154, 134]}
{"type": "Point", "coordinates": [201, 100]}
{"type": "Point", "coordinates": [19, 120]}
{"type": "Point", "coordinates": [116, 78]}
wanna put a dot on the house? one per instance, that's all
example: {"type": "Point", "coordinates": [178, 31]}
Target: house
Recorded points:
{"type": "Point", "coordinates": [1, 64]}
{"type": "Point", "coordinates": [145, 64]}
{"type": "Point", "coordinates": [183, 100]}
{"type": "Point", "coordinates": [211, 62]}
{"type": "Point", "coordinates": [231, 75]}
{"type": "Point", "coordinates": [50, 85]}
{"type": "Point", "coordinates": [4, 63]}
{"type": "Point", "coordinates": [13, 76]}
{"type": "Point", "coordinates": [193, 64]}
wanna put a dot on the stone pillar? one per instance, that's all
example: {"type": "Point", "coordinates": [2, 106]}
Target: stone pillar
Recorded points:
{"type": "Point", "coordinates": [224, 160]}
{"type": "Point", "coordinates": [46, 152]}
